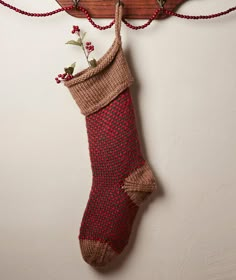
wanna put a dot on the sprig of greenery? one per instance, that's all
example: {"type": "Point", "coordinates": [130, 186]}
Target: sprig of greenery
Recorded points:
{"type": "Point", "coordinates": [87, 48]}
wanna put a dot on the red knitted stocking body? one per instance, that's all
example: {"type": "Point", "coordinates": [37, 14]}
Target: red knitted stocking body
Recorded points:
{"type": "Point", "coordinates": [115, 154]}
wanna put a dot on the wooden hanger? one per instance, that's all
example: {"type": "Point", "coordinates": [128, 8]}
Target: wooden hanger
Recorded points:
{"type": "Point", "coordinates": [137, 9]}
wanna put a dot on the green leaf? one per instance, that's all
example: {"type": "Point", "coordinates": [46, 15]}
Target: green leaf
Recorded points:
{"type": "Point", "coordinates": [93, 62]}
{"type": "Point", "coordinates": [79, 42]}
{"type": "Point", "coordinates": [83, 35]}
{"type": "Point", "coordinates": [73, 65]}
{"type": "Point", "coordinates": [70, 69]}
{"type": "Point", "coordinates": [72, 42]}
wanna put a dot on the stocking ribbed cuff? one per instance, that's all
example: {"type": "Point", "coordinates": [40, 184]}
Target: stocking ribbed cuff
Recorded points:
{"type": "Point", "coordinates": [96, 87]}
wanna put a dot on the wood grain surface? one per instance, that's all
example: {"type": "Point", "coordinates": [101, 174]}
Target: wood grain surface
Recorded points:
{"type": "Point", "coordinates": [137, 9]}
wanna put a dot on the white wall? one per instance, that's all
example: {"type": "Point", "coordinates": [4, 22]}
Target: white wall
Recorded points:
{"type": "Point", "coordinates": [186, 105]}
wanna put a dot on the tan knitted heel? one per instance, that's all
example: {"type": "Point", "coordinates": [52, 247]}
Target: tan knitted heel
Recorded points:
{"type": "Point", "coordinates": [140, 184]}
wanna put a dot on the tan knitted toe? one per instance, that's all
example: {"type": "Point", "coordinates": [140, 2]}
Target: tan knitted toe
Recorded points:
{"type": "Point", "coordinates": [96, 253]}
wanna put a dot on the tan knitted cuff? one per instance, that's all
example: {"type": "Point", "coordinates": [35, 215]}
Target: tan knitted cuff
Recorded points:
{"type": "Point", "coordinates": [96, 87]}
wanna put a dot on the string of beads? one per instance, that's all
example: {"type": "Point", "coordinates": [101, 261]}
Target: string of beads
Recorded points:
{"type": "Point", "coordinates": [68, 8]}
{"type": "Point", "coordinates": [171, 13]}
{"type": "Point", "coordinates": [154, 16]}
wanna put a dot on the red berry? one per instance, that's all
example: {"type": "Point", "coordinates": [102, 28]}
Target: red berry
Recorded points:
{"type": "Point", "coordinates": [76, 28]}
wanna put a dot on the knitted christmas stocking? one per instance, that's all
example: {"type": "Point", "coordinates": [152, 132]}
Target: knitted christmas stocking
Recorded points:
{"type": "Point", "coordinates": [122, 179]}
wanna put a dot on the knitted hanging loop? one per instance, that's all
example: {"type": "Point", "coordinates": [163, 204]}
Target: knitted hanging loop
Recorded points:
{"type": "Point", "coordinates": [110, 76]}
{"type": "Point", "coordinates": [122, 178]}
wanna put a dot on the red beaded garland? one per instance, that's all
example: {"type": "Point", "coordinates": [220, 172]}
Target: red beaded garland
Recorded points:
{"type": "Point", "coordinates": [36, 14]}
{"type": "Point", "coordinates": [171, 13]}
{"type": "Point", "coordinates": [155, 14]}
